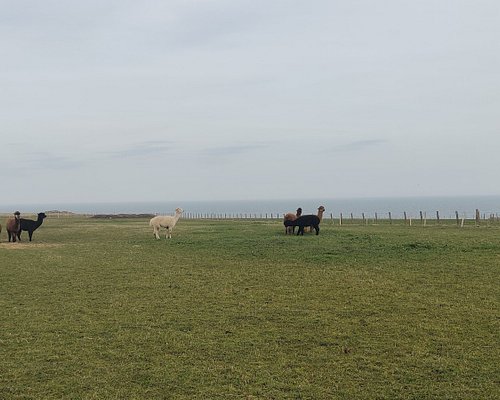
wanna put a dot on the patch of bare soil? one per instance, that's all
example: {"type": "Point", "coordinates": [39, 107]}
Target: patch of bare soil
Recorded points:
{"type": "Point", "coordinates": [24, 245]}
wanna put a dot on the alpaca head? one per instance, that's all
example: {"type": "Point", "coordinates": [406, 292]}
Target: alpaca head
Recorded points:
{"type": "Point", "coordinates": [321, 209]}
{"type": "Point", "coordinates": [179, 210]}
{"type": "Point", "coordinates": [41, 216]}
{"type": "Point", "coordinates": [299, 212]}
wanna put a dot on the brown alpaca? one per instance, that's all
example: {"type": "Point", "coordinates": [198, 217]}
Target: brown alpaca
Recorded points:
{"type": "Point", "coordinates": [13, 226]}
{"type": "Point", "coordinates": [291, 217]}
{"type": "Point", "coordinates": [321, 210]}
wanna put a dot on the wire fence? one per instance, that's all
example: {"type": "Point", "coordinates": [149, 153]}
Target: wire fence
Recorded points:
{"type": "Point", "coordinates": [422, 218]}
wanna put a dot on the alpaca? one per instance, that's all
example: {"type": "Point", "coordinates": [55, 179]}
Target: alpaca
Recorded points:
{"type": "Point", "coordinates": [13, 226]}
{"type": "Point", "coordinates": [165, 221]}
{"type": "Point", "coordinates": [321, 210]}
{"type": "Point", "coordinates": [30, 226]}
{"type": "Point", "coordinates": [291, 217]}
{"type": "Point", "coordinates": [303, 221]}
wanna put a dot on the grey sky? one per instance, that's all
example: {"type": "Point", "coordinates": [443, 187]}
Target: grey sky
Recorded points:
{"type": "Point", "coordinates": [224, 99]}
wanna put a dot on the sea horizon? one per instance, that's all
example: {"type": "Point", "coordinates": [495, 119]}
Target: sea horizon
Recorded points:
{"type": "Point", "coordinates": [447, 206]}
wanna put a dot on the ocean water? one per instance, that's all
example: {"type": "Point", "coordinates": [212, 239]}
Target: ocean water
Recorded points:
{"type": "Point", "coordinates": [446, 206]}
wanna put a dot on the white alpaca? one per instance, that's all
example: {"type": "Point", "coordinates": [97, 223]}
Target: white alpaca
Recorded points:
{"type": "Point", "coordinates": [165, 221]}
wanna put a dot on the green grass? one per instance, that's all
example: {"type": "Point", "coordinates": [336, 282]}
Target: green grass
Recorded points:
{"type": "Point", "coordinates": [97, 309]}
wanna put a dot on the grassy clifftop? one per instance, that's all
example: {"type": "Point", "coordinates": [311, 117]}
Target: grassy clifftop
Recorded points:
{"type": "Point", "coordinates": [236, 309]}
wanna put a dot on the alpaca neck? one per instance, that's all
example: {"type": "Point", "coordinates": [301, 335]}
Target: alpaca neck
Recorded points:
{"type": "Point", "coordinates": [320, 215]}
{"type": "Point", "coordinates": [38, 222]}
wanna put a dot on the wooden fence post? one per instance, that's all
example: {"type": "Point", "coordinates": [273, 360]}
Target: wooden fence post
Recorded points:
{"type": "Point", "coordinates": [478, 217]}
{"type": "Point", "coordinates": [340, 219]}
{"type": "Point", "coordinates": [437, 216]}
{"type": "Point", "coordinates": [390, 218]}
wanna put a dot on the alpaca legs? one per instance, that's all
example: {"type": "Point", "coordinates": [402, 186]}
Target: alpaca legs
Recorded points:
{"type": "Point", "coordinates": [301, 230]}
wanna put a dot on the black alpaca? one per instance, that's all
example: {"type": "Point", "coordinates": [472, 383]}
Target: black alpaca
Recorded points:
{"type": "Point", "coordinates": [303, 221]}
{"type": "Point", "coordinates": [30, 226]}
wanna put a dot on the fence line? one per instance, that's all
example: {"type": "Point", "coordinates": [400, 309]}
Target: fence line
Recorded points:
{"type": "Point", "coordinates": [365, 219]}
{"type": "Point", "coordinates": [421, 218]}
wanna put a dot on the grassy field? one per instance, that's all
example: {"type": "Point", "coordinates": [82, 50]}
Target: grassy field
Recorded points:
{"type": "Point", "coordinates": [98, 309]}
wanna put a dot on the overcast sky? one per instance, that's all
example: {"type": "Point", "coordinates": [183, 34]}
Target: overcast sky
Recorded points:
{"type": "Point", "coordinates": [234, 99]}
